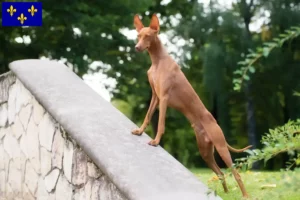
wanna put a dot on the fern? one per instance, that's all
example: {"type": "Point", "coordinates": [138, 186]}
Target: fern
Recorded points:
{"type": "Point", "coordinates": [247, 65]}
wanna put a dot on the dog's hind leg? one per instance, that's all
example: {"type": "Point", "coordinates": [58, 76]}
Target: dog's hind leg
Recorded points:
{"type": "Point", "coordinates": [206, 150]}
{"type": "Point", "coordinates": [225, 155]}
{"type": "Point", "coordinates": [219, 142]}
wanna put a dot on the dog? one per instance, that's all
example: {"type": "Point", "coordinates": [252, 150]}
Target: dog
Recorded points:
{"type": "Point", "coordinates": [170, 88]}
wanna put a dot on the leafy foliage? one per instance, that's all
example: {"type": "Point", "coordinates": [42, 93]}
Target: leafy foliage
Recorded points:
{"type": "Point", "coordinates": [285, 138]}
{"type": "Point", "coordinates": [282, 139]}
{"type": "Point", "coordinates": [248, 65]}
{"type": "Point", "coordinates": [77, 32]}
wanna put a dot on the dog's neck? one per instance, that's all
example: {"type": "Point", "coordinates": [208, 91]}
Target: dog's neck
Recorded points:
{"type": "Point", "coordinates": [157, 51]}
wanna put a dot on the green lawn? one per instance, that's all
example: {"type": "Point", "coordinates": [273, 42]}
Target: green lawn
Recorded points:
{"type": "Point", "coordinates": [279, 186]}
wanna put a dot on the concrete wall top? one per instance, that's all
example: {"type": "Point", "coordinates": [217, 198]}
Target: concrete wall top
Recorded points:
{"type": "Point", "coordinates": [140, 171]}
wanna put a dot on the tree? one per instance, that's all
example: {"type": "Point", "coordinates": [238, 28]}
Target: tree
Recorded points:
{"type": "Point", "coordinates": [221, 37]}
{"type": "Point", "coordinates": [78, 31]}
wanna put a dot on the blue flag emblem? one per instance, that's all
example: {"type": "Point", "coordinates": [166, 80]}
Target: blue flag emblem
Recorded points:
{"type": "Point", "coordinates": [22, 14]}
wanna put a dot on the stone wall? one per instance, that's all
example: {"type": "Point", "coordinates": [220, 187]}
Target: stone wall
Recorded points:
{"type": "Point", "coordinates": [38, 159]}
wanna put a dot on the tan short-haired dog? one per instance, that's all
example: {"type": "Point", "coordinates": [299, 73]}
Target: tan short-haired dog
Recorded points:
{"type": "Point", "coordinates": [171, 88]}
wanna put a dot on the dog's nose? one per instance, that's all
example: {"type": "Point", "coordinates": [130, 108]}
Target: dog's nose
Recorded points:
{"type": "Point", "coordinates": [137, 48]}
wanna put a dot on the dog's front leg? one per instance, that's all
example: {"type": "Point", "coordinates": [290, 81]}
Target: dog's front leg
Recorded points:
{"type": "Point", "coordinates": [163, 103]}
{"type": "Point", "coordinates": [151, 109]}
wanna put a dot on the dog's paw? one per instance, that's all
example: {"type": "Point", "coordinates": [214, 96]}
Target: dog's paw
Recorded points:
{"type": "Point", "coordinates": [137, 131]}
{"type": "Point", "coordinates": [153, 143]}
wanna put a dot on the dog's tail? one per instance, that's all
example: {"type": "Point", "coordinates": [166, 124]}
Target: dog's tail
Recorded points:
{"type": "Point", "coordinates": [238, 150]}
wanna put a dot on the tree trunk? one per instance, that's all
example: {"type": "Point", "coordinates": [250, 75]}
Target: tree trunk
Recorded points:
{"type": "Point", "coordinates": [247, 13]}
{"type": "Point", "coordinates": [251, 121]}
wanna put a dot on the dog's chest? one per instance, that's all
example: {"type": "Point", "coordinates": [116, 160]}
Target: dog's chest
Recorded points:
{"type": "Point", "coordinates": [154, 78]}
{"type": "Point", "coordinates": [154, 81]}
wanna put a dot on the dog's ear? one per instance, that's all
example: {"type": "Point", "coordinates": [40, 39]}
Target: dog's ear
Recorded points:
{"type": "Point", "coordinates": [137, 23]}
{"type": "Point", "coordinates": [154, 24]}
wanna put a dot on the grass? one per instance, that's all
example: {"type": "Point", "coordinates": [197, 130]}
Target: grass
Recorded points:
{"type": "Point", "coordinates": [280, 185]}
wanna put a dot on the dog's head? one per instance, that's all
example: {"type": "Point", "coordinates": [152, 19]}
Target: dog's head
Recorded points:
{"type": "Point", "coordinates": [146, 35]}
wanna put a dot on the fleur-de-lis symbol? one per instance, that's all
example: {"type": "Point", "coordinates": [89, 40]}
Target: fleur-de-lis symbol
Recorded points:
{"type": "Point", "coordinates": [22, 18]}
{"type": "Point", "coordinates": [11, 10]}
{"type": "Point", "coordinates": [32, 10]}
